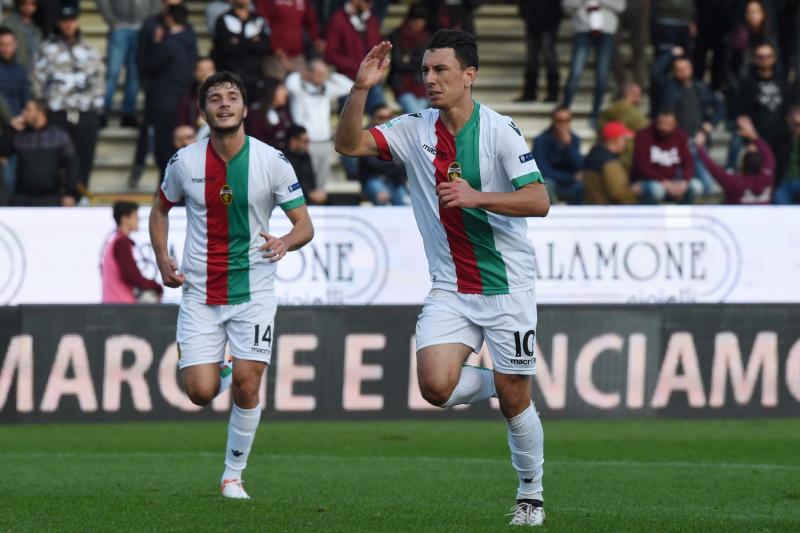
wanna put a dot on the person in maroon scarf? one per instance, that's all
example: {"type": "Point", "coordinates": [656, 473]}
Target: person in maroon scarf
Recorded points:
{"type": "Point", "coordinates": [408, 47]}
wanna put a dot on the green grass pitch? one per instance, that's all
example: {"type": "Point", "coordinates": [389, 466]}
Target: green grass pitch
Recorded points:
{"type": "Point", "coordinates": [401, 476]}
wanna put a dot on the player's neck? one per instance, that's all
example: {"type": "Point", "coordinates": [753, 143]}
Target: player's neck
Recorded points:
{"type": "Point", "coordinates": [455, 117]}
{"type": "Point", "coordinates": [228, 145]}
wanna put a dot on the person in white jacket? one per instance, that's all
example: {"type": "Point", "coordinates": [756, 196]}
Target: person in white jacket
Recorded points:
{"type": "Point", "coordinates": [310, 97]}
{"type": "Point", "coordinates": [594, 25]}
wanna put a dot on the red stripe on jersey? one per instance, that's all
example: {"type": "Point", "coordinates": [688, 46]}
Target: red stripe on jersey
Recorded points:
{"type": "Point", "coordinates": [164, 198]}
{"type": "Point", "coordinates": [468, 277]}
{"type": "Point", "coordinates": [383, 146]}
{"type": "Point", "coordinates": [217, 227]}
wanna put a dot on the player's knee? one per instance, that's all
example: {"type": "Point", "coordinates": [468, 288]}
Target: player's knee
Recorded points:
{"type": "Point", "coordinates": [245, 390]}
{"type": "Point", "coordinates": [435, 393]}
{"type": "Point", "coordinates": [201, 394]}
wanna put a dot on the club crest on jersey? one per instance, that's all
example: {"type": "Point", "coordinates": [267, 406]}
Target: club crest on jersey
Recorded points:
{"type": "Point", "coordinates": [226, 194]}
{"type": "Point", "coordinates": [454, 171]}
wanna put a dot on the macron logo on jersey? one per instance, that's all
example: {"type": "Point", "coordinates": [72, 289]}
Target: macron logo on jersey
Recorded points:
{"type": "Point", "coordinates": [294, 186]}
{"type": "Point", "coordinates": [524, 158]}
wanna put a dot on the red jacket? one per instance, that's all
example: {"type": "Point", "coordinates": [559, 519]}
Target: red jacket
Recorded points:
{"type": "Point", "coordinates": [287, 19]}
{"type": "Point", "coordinates": [661, 159]}
{"type": "Point", "coordinates": [741, 188]}
{"type": "Point", "coordinates": [347, 47]}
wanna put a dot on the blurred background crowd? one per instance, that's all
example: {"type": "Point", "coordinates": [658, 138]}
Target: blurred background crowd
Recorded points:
{"type": "Point", "coordinates": [624, 102]}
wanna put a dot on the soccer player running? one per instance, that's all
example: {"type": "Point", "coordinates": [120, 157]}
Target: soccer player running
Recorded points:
{"type": "Point", "coordinates": [230, 183]}
{"type": "Point", "coordinates": [472, 182]}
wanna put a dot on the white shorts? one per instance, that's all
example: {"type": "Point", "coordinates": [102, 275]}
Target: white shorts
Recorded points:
{"type": "Point", "coordinates": [203, 330]}
{"type": "Point", "coordinates": [507, 322]}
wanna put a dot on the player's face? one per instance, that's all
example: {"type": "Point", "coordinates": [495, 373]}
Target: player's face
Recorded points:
{"type": "Point", "coordinates": [445, 81]}
{"type": "Point", "coordinates": [225, 109]}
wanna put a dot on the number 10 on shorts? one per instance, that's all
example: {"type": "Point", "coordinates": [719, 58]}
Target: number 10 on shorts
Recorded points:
{"type": "Point", "coordinates": [524, 342]}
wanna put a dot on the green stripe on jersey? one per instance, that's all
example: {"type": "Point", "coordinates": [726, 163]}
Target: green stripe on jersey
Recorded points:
{"type": "Point", "coordinates": [239, 227]}
{"type": "Point", "coordinates": [291, 204]}
{"type": "Point", "coordinates": [532, 177]}
{"type": "Point", "coordinates": [491, 266]}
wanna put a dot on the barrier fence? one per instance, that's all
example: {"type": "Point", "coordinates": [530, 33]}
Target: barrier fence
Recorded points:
{"type": "Point", "coordinates": [118, 363]}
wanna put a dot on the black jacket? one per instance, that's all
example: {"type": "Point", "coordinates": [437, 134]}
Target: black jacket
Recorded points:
{"type": "Point", "coordinates": [541, 15]}
{"type": "Point", "coordinates": [170, 71]}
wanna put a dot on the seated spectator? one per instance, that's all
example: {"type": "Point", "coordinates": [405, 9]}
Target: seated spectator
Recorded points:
{"type": "Point", "coordinates": [28, 34]}
{"type": "Point", "coordinates": [241, 44]}
{"type": "Point", "coordinates": [123, 283]}
{"type": "Point", "coordinates": [558, 154]}
{"type": "Point", "coordinates": [626, 109]}
{"type": "Point", "coordinates": [757, 177]}
{"type": "Point", "coordinates": [310, 96]}
{"type": "Point", "coordinates": [408, 47]}
{"type": "Point", "coordinates": [292, 23]}
{"type": "Point", "coordinates": [352, 32]}
{"type": "Point", "coordinates": [542, 20]}
{"type": "Point", "coordinates": [69, 74]}
{"type": "Point", "coordinates": [47, 166]}
{"type": "Point", "coordinates": [183, 136]}
{"type": "Point", "coordinates": [788, 189]}
{"type": "Point", "coordinates": [14, 85]}
{"type": "Point", "coordinates": [268, 118]}
{"type": "Point", "coordinates": [297, 153]}
{"type": "Point", "coordinates": [606, 180]}
{"type": "Point", "coordinates": [383, 182]}
{"type": "Point", "coordinates": [662, 162]}
{"type": "Point", "coordinates": [188, 109]}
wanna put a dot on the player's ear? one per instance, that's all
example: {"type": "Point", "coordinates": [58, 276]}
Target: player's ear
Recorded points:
{"type": "Point", "coordinates": [469, 76]}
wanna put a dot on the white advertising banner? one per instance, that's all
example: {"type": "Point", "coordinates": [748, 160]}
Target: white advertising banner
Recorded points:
{"type": "Point", "coordinates": [363, 256]}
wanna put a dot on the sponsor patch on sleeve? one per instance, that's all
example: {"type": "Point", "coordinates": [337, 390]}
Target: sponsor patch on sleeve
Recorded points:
{"type": "Point", "coordinates": [294, 186]}
{"type": "Point", "coordinates": [524, 158]}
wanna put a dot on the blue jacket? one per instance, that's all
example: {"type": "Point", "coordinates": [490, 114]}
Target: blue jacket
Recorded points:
{"type": "Point", "coordinates": [557, 161]}
{"type": "Point", "coordinates": [14, 86]}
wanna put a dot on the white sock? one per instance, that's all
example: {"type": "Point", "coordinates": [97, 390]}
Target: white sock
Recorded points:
{"type": "Point", "coordinates": [474, 385]}
{"type": "Point", "coordinates": [225, 374]}
{"type": "Point", "coordinates": [241, 432]}
{"type": "Point", "coordinates": [526, 441]}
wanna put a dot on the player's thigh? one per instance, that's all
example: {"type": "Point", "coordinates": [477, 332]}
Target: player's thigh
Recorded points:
{"type": "Point", "coordinates": [509, 326]}
{"type": "Point", "coordinates": [250, 327]}
{"type": "Point", "coordinates": [201, 335]}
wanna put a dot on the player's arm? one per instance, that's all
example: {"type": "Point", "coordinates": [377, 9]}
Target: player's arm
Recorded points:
{"type": "Point", "coordinates": [531, 200]}
{"type": "Point", "coordinates": [350, 138]}
{"type": "Point", "coordinates": [159, 229]}
{"type": "Point", "coordinates": [301, 234]}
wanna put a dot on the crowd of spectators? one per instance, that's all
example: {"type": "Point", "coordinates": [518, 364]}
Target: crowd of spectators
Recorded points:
{"type": "Point", "coordinates": [717, 66]}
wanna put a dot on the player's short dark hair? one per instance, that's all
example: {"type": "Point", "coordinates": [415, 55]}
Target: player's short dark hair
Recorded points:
{"type": "Point", "coordinates": [179, 13]}
{"type": "Point", "coordinates": [220, 78]}
{"type": "Point", "coordinates": [122, 209]}
{"type": "Point", "coordinates": [462, 43]}
{"type": "Point", "coordinates": [294, 131]}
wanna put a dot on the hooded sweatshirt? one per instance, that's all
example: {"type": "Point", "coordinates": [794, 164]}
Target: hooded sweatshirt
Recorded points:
{"type": "Point", "coordinates": [661, 159]}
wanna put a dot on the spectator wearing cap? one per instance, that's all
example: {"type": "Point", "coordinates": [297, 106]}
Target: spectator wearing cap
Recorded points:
{"type": "Point", "coordinates": [663, 163]}
{"type": "Point", "coordinates": [69, 74]}
{"type": "Point", "coordinates": [756, 179]}
{"type": "Point", "coordinates": [558, 154]}
{"type": "Point", "coordinates": [123, 282]}
{"type": "Point", "coordinates": [383, 182]}
{"type": "Point", "coordinates": [606, 181]}
{"type": "Point", "coordinates": [408, 47]}
{"type": "Point", "coordinates": [28, 34]}
{"type": "Point", "coordinates": [292, 23]}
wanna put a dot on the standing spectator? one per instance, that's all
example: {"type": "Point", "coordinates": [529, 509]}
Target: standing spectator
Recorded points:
{"type": "Point", "coordinates": [542, 20]}
{"type": "Point", "coordinates": [297, 154]}
{"type": "Point", "coordinates": [673, 25]}
{"type": "Point", "coordinates": [635, 22]}
{"type": "Point", "coordinates": [626, 109]}
{"type": "Point", "coordinates": [69, 75]}
{"type": "Point", "coordinates": [755, 30]}
{"type": "Point", "coordinates": [408, 47]}
{"type": "Point", "coordinates": [558, 153]}
{"type": "Point", "coordinates": [268, 118]}
{"type": "Point", "coordinates": [594, 23]}
{"type": "Point", "coordinates": [123, 283]}
{"type": "Point", "coordinates": [170, 71]}
{"type": "Point", "coordinates": [292, 23]}
{"type": "Point", "coordinates": [763, 96]}
{"type": "Point", "coordinates": [28, 34]}
{"type": "Point", "coordinates": [124, 19]}
{"type": "Point", "coordinates": [662, 162]}
{"type": "Point", "coordinates": [352, 32]}
{"type": "Point", "coordinates": [715, 21]}
{"type": "Point", "coordinates": [188, 109]}
{"type": "Point", "coordinates": [14, 85]}
{"type": "Point", "coordinates": [241, 44]}
{"type": "Point", "coordinates": [47, 166]}
{"type": "Point", "coordinates": [788, 190]}
{"type": "Point", "coordinates": [383, 182]}
{"type": "Point", "coordinates": [757, 177]}
{"type": "Point", "coordinates": [310, 96]}
{"type": "Point", "coordinates": [607, 181]}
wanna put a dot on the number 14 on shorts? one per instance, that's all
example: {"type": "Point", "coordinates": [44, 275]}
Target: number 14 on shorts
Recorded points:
{"type": "Point", "coordinates": [262, 338]}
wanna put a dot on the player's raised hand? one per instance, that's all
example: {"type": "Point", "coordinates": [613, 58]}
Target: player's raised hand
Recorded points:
{"type": "Point", "coordinates": [373, 66]}
{"type": "Point", "coordinates": [169, 273]}
{"type": "Point", "coordinates": [457, 193]}
{"type": "Point", "coordinates": [274, 248]}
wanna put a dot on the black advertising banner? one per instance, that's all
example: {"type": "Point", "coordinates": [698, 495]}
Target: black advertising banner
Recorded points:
{"type": "Point", "coordinates": [103, 363]}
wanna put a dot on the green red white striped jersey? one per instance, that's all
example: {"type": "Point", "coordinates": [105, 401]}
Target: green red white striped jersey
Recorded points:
{"type": "Point", "coordinates": [471, 251]}
{"type": "Point", "coordinates": [226, 207]}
